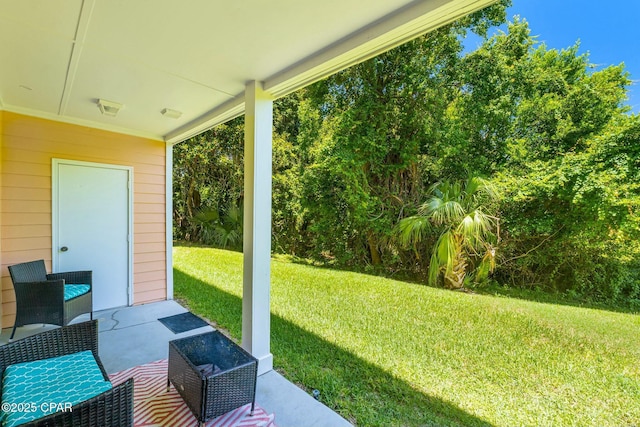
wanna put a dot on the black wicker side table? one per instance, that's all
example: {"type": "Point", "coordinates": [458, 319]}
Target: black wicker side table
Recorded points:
{"type": "Point", "coordinates": [212, 374]}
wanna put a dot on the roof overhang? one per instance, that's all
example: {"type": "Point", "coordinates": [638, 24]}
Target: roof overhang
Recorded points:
{"type": "Point", "coordinates": [191, 58]}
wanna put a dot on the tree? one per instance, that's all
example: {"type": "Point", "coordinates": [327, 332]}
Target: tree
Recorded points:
{"type": "Point", "coordinates": [207, 176]}
{"type": "Point", "coordinates": [223, 232]}
{"type": "Point", "coordinates": [573, 222]}
{"type": "Point", "coordinates": [208, 183]}
{"type": "Point", "coordinates": [377, 141]}
{"type": "Point", "coordinates": [466, 242]}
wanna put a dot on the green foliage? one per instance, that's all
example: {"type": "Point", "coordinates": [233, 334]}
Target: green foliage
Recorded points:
{"type": "Point", "coordinates": [577, 218]}
{"type": "Point", "coordinates": [371, 143]}
{"type": "Point", "coordinates": [539, 122]}
{"type": "Point", "coordinates": [208, 184]}
{"type": "Point", "coordinates": [519, 101]}
{"type": "Point", "coordinates": [356, 153]}
{"type": "Point", "coordinates": [466, 242]}
{"type": "Point", "coordinates": [207, 179]}
{"type": "Point", "coordinates": [221, 231]}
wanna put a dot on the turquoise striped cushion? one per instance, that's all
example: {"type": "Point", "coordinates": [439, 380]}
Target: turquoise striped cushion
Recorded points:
{"type": "Point", "coordinates": [60, 380]}
{"type": "Point", "coordinates": [72, 291]}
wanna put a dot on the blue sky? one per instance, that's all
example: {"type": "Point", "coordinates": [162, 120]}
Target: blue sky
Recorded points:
{"type": "Point", "coordinates": [608, 30]}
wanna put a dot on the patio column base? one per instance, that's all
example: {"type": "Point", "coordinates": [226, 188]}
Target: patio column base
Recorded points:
{"type": "Point", "coordinates": [265, 364]}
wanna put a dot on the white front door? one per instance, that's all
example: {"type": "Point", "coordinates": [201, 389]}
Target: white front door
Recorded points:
{"type": "Point", "coordinates": [92, 227]}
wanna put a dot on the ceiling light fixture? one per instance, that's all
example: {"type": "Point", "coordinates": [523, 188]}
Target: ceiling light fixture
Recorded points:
{"type": "Point", "coordinates": [174, 114]}
{"type": "Point", "coordinates": [109, 108]}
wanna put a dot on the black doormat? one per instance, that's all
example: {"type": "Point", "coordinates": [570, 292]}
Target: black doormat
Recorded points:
{"type": "Point", "coordinates": [182, 322]}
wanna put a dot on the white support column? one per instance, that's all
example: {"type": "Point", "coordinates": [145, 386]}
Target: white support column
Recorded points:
{"type": "Point", "coordinates": [256, 318]}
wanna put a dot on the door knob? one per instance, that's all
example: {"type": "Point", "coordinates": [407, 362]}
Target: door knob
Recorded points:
{"type": "Point", "coordinates": [64, 249]}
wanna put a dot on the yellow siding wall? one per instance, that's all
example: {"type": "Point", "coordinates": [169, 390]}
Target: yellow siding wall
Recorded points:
{"type": "Point", "coordinates": [27, 146]}
{"type": "Point", "coordinates": [1, 138]}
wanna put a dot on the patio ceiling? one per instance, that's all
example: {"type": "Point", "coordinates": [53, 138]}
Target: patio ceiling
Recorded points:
{"type": "Point", "coordinates": [58, 57]}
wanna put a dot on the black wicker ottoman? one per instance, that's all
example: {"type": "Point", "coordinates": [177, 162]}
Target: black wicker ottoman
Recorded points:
{"type": "Point", "coordinates": [212, 374]}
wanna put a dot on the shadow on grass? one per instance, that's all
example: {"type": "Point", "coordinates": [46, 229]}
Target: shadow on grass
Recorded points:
{"type": "Point", "coordinates": [358, 390]}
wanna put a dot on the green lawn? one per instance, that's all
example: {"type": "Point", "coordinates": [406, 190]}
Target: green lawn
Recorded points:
{"type": "Point", "coordinates": [384, 352]}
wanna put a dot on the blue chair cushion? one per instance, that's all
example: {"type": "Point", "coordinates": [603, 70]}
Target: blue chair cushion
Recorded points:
{"type": "Point", "coordinates": [72, 291]}
{"type": "Point", "coordinates": [42, 387]}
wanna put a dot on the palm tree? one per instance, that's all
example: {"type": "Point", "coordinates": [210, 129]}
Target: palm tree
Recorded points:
{"type": "Point", "coordinates": [222, 231]}
{"type": "Point", "coordinates": [465, 239]}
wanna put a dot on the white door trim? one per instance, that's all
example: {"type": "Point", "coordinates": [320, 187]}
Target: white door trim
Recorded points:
{"type": "Point", "coordinates": [55, 163]}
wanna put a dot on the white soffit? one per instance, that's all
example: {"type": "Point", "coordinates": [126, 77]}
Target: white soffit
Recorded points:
{"type": "Point", "coordinates": [58, 57]}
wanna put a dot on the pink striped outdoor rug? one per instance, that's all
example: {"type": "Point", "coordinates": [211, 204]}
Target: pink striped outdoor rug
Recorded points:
{"type": "Point", "coordinates": [154, 406]}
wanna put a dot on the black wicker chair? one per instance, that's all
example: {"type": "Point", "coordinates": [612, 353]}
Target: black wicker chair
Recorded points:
{"type": "Point", "coordinates": [111, 408]}
{"type": "Point", "coordinates": [40, 296]}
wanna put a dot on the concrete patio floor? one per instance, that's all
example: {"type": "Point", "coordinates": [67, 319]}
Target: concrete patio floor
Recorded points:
{"type": "Point", "coordinates": [132, 336]}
